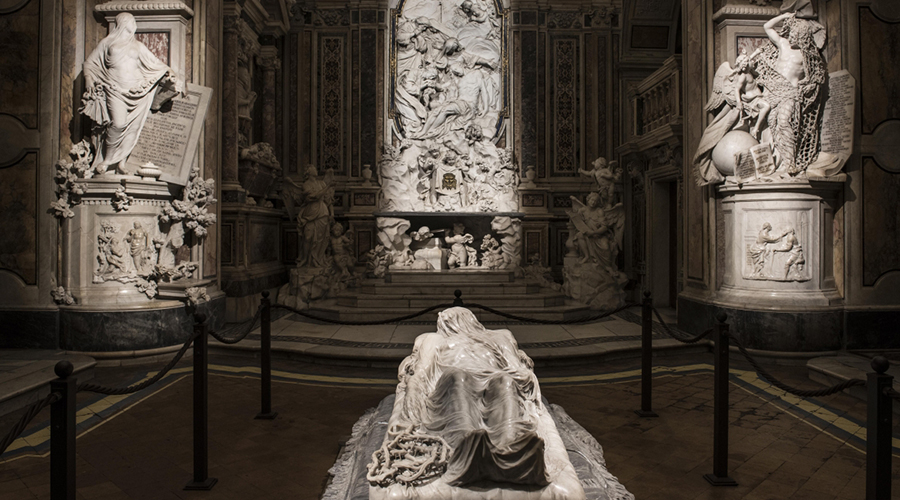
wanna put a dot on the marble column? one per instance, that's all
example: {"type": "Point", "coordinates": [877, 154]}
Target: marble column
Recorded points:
{"type": "Point", "coordinates": [270, 64]}
{"type": "Point", "coordinates": [231, 188]}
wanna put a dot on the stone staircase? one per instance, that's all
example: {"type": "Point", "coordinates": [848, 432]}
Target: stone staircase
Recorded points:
{"type": "Point", "coordinates": [406, 292]}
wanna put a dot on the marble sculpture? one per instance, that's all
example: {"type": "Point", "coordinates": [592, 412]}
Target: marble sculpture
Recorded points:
{"type": "Point", "coordinates": [764, 262]}
{"type": "Point", "coordinates": [310, 205]}
{"type": "Point", "coordinates": [124, 81]}
{"type": "Point", "coordinates": [774, 96]}
{"type": "Point", "coordinates": [448, 103]}
{"type": "Point", "coordinates": [468, 422]}
{"type": "Point", "coordinates": [594, 277]}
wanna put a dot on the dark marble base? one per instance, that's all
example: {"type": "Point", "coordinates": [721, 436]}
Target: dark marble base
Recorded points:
{"type": "Point", "coordinates": [872, 329]}
{"type": "Point", "coordinates": [768, 330]}
{"type": "Point", "coordinates": [133, 330]}
{"type": "Point", "coordinates": [242, 288]}
{"type": "Point", "coordinates": [29, 329]}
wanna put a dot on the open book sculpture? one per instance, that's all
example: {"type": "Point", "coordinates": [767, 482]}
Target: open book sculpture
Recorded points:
{"type": "Point", "coordinates": [468, 422]}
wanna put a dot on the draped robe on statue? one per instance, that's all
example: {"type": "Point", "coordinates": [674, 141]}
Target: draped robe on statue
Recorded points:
{"type": "Point", "coordinates": [475, 390]}
{"type": "Point", "coordinates": [122, 78]}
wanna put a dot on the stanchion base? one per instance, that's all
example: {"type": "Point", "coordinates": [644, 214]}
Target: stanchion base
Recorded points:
{"type": "Point", "coordinates": [202, 485]}
{"type": "Point", "coordinates": [719, 481]}
{"type": "Point", "coordinates": [266, 416]}
{"type": "Point", "coordinates": [645, 414]}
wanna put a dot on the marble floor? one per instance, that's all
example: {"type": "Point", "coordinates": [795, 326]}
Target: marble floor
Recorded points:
{"type": "Point", "coordinates": [139, 446]}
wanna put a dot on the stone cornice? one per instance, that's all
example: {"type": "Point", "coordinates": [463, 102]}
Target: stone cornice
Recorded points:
{"type": "Point", "coordinates": [754, 12]}
{"type": "Point", "coordinates": [132, 6]}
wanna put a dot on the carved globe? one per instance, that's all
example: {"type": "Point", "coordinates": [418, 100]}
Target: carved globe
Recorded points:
{"type": "Point", "coordinates": [732, 143]}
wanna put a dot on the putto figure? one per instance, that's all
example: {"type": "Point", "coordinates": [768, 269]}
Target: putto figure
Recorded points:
{"type": "Point", "coordinates": [124, 81]}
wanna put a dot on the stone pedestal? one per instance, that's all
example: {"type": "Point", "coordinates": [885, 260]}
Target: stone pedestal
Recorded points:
{"type": "Point", "coordinates": [776, 267]}
{"type": "Point", "coordinates": [112, 242]}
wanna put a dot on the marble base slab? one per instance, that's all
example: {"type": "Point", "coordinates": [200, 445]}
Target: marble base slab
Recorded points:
{"type": "Point", "coordinates": [586, 455]}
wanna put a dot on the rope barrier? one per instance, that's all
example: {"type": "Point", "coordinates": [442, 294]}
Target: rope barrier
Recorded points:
{"type": "Point", "coordinates": [248, 326]}
{"type": "Point", "coordinates": [891, 393]}
{"type": "Point", "coordinates": [589, 319]}
{"type": "Point", "coordinates": [32, 411]}
{"type": "Point", "coordinates": [440, 306]}
{"type": "Point", "coordinates": [118, 391]}
{"type": "Point", "coordinates": [678, 337]}
{"type": "Point", "coordinates": [853, 382]}
{"type": "Point", "coordinates": [360, 323]}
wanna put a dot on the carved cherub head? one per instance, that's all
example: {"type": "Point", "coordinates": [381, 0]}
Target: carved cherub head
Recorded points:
{"type": "Point", "coordinates": [337, 229]}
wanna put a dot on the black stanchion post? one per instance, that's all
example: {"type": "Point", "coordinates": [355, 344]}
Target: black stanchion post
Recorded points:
{"type": "Point", "coordinates": [62, 434]}
{"type": "Point", "coordinates": [646, 358]}
{"type": "Point", "coordinates": [719, 477]}
{"type": "Point", "coordinates": [878, 432]}
{"type": "Point", "coordinates": [201, 481]}
{"type": "Point", "coordinates": [265, 368]}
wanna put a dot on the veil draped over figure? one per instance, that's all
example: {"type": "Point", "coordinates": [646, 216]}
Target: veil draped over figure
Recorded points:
{"type": "Point", "coordinates": [475, 389]}
{"type": "Point", "coordinates": [122, 77]}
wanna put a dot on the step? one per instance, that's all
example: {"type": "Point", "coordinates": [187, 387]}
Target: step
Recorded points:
{"type": "Point", "coordinates": [25, 375]}
{"type": "Point", "coordinates": [467, 289]}
{"type": "Point", "coordinates": [549, 313]}
{"type": "Point", "coordinates": [831, 370]}
{"type": "Point", "coordinates": [420, 301]}
{"type": "Point", "coordinates": [461, 276]}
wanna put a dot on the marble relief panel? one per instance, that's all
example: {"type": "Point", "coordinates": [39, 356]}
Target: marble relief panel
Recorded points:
{"type": "Point", "coordinates": [773, 245]}
{"type": "Point", "coordinates": [18, 204]}
{"type": "Point", "coordinates": [881, 228]}
{"type": "Point", "coordinates": [19, 59]}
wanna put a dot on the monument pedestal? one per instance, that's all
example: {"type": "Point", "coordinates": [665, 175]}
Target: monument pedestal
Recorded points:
{"type": "Point", "coordinates": [776, 254]}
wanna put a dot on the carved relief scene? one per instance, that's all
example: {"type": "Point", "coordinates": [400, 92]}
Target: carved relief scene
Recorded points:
{"type": "Point", "coordinates": [448, 107]}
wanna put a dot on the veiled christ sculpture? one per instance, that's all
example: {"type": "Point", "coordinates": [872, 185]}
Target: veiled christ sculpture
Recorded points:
{"type": "Point", "coordinates": [468, 422]}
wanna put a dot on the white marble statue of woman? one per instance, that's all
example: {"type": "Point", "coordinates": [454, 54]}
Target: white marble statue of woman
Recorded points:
{"type": "Point", "coordinates": [122, 78]}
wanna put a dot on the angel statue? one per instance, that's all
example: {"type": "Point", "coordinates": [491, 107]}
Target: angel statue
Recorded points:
{"type": "Point", "coordinates": [593, 277]}
{"type": "Point", "coordinates": [598, 227]}
{"type": "Point", "coordinates": [605, 174]}
{"type": "Point", "coordinates": [310, 204]}
{"type": "Point", "coordinates": [738, 100]}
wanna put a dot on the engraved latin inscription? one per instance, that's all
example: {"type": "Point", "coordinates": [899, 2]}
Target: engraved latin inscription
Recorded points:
{"type": "Point", "coordinates": [837, 125]}
{"type": "Point", "coordinates": [164, 140]}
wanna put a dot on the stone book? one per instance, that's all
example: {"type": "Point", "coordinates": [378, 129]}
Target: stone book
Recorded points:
{"type": "Point", "coordinates": [170, 136]}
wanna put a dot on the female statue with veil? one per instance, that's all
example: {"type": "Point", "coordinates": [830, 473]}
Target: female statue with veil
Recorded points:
{"type": "Point", "coordinates": [124, 81]}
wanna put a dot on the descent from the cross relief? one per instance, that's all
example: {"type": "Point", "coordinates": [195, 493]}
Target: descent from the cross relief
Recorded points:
{"type": "Point", "coordinates": [447, 105]}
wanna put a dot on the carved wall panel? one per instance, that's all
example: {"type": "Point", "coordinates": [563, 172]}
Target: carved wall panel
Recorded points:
{"type": "Point", "coordinates": [566, 101]}
{"type": "Point", "coordinates": [881, 228]}
{"type": "Point", "coordinates": [21, 155]}
{"type": "Point", "coordinates": [262, 234]}
{"type": "Point", "coordinates": [18, 225]}
{"type": "Point", "coordinates": [331, 93]}
{"type": "Point", "coordinates": [879, 72]}
{"type": "Point", "coordinates": [19, 59]}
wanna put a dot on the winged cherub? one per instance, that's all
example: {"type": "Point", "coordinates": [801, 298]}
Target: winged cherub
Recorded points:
{"type": "Point", "coordinates": [738, 101]}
